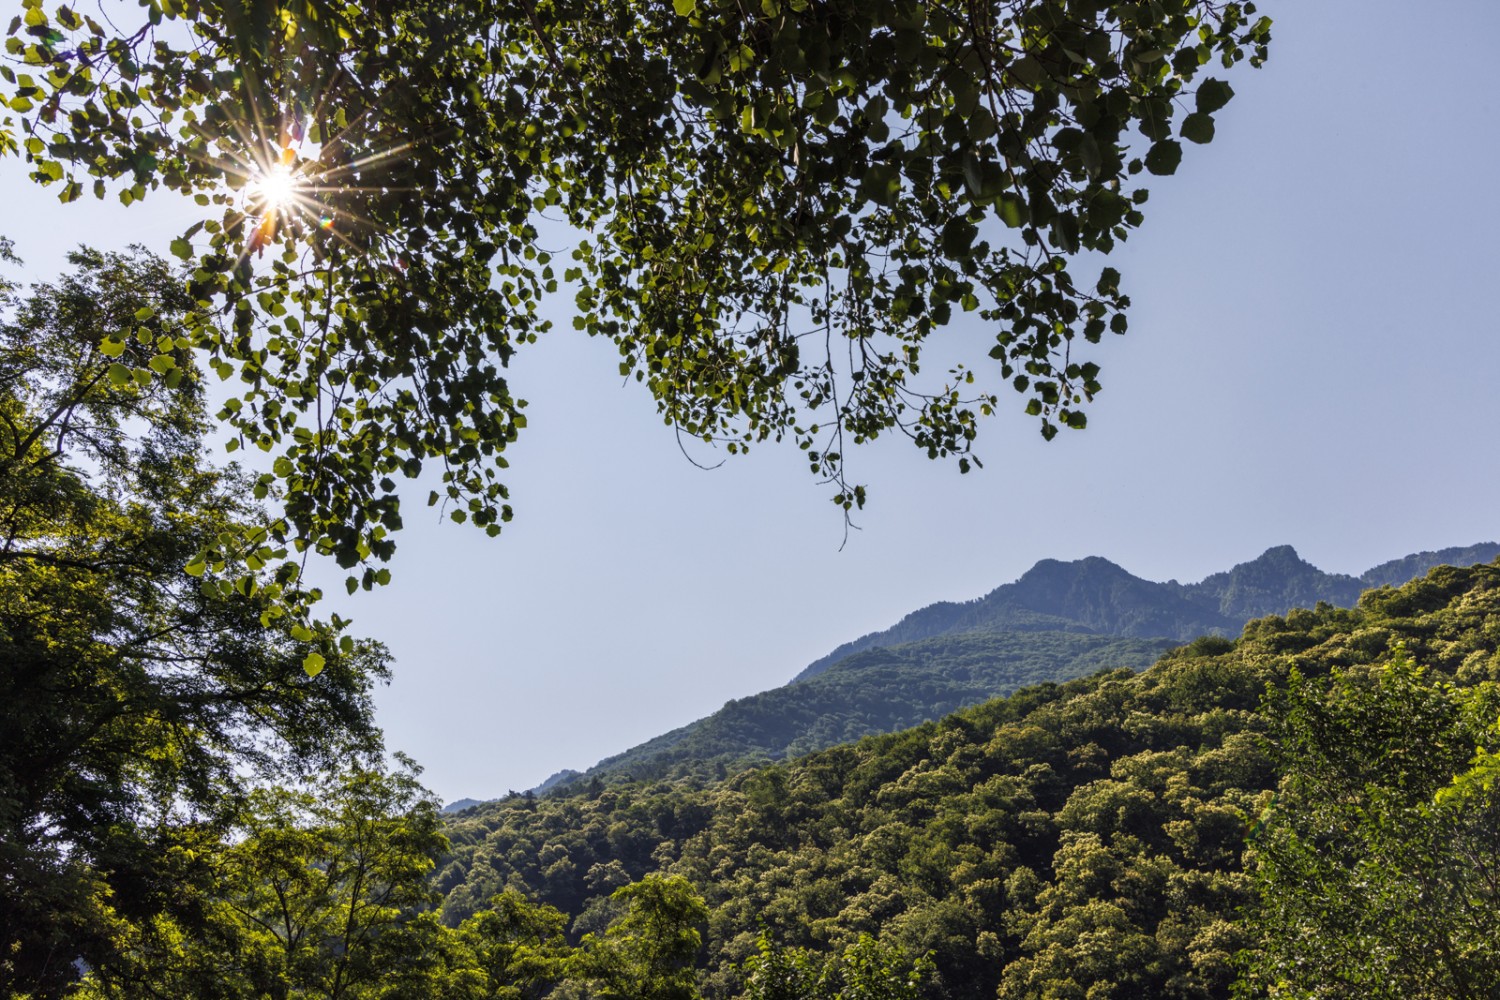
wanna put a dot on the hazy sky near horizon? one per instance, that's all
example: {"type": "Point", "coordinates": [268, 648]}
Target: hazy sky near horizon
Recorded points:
{"type": "Point", "coordinates": [1313, 360]}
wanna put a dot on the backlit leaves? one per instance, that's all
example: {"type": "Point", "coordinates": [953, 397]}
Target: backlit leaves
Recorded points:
{"type": "Point", "coordinates": [771, 209]}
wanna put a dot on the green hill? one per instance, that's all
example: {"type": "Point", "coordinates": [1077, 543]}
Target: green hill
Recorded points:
{"type": "Point", "coordinates": [1083, 839]}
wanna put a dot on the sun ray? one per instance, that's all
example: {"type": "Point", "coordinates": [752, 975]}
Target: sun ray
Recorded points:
{"type": "Point", "coordinates": [285, 176]}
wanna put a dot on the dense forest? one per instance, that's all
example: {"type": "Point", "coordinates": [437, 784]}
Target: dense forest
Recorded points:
{"type": "Point", "coordinates": [1307, 811]}
{"type": "Point", "coordinates": [1110, 836]}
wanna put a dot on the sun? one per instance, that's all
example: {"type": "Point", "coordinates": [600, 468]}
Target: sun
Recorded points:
{"type": "Point", "coordinates": [285, 189]}
{"type": "Point", "coordinates": [278, 193]}
{"type": "Point", "coordinates": [276, 189]}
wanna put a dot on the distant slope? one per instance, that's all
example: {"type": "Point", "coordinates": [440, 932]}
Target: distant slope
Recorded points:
{"type": "Point", "coordinates": [877, 691]}
{"type": "Point", "coordinates": [565, 775]}
{"type": "Point", "coordinates": [1095, 595]}
{"type": "Point", "coordinates": [1396, 572]}
{"type": "Point", "coordinates": [1273, 584]}
{"type": "Point", "coordinates": [1058, 621]}
{"type": "Point", "coordinates": [1091, 595]}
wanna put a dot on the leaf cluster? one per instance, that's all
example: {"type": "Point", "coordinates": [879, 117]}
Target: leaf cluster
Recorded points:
{"type": "Point", "coordinates": [1378, 869]}
{"type": "Point", "coordinates": [777, 206]}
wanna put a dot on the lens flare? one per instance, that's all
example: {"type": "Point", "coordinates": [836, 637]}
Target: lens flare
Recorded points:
{"type": "Point", "coordinates": [276, 190]}
{"type": "Point", "coordinates": [284, 188]}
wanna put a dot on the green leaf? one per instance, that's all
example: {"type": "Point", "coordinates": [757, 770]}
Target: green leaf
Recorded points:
{"type": "Point", "coordinates": [1065, 232]}
{"type": "Point", "coordinates": [1028, 70]}
{"type": "Point", "coordinates": [1012, 210]}
{"type": "Point", "coordinates": [973, 173]}
{"type": "Point", "coordinates": [181, 248]}
{"type": "Point", "coordinates": [302, 633]}
{"type": "Point", "coordinates": [162, 363]}
{"type": "Point", "coordinates": [958, 237]}
{"type": "Point", "coordinates": [1198, 128]}
{"type": "Point", "coordinates": [684, 8]}
{"type": "Point", "coordinates": [1212, 95]}
{"type": "Point", "coordinates": [1164, 156]}
{"type": "Point", "coordinates": [118, 374]}
{"type": "Point", "coordinates": [312, 664]}
{"type": "Point", "coordinates": [1088, 152]}
{"type": "Point", "coordinates": [112, 348]}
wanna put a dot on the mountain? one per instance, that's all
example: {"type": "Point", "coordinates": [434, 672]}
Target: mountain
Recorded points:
{"type": "Point", "coordinates": [1091, 595]}
{"type": "Point", "coordinates": [560, 777]}
{"type": "Point", "coordinates": [1095, 595]}
{"type": "Point", "coordinates": [1271, 585]}
{"type": "Point", "coordinates": [460, 806]}
{"type": "Point", "coordinates": [1060, 620]}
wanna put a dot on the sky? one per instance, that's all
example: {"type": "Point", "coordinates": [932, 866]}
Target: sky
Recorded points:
{"type": "Point", "coordinates": [1312, 360]}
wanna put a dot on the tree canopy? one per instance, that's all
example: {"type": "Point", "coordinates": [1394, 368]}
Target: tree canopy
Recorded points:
{"type": "Point", "coordinates": [776, 206]}
{"type": "Point", "coordinates": [1377, 873]}
{"type": "Point", "coordinates": [134, 701]}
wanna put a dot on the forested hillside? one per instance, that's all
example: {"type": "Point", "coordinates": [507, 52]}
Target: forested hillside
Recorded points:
{"type": "Point", "coordinates": [877, 691]}
{"type": "Point", "coordinates": [1078, 839]}
{"type": "Point", "coordinates": [1058, 621]}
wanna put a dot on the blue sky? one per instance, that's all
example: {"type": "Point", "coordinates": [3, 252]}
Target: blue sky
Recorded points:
{"type": "Point", "coordinates": [1313, 360]}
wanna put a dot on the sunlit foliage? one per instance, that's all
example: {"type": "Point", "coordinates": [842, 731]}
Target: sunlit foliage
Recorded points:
{"type": "Point", "coordinates": [134, 702]}
{"type": "Point", "coordinates": [773, 210]}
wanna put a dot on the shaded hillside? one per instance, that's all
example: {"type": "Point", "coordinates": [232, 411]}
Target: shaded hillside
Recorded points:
{"type": "Point", "coordinates": [1272, 584]}
{"type": "Point", "coordinates": [459, 806]}
{"type": "Point", "coordinates": [1399, 571]}
{"type": "Point", "coordinates": [877, 691]}
{"type": "Point", "coordinates": [1089, 595]}
{"type": "Point", "coordinates": [1082, 839]}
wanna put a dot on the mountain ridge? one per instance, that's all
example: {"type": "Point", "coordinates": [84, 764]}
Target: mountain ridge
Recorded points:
{"type": "Point", "coordinates": [1221, 602]}
{"type": "Point", "coordinates": [1085, 613]}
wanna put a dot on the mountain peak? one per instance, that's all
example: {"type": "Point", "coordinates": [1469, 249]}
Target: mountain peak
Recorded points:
{"type": "Point", "coordinates": [1095, 595]}
{"type": "Point", "coordinates": [1279, 555]}
{"type": "Point", "coordinates": [1275, 581]}
{"type": "Point", "coordinates": [1052, 569]}
{"type": "Point", "coordinates": [1059, 619]}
